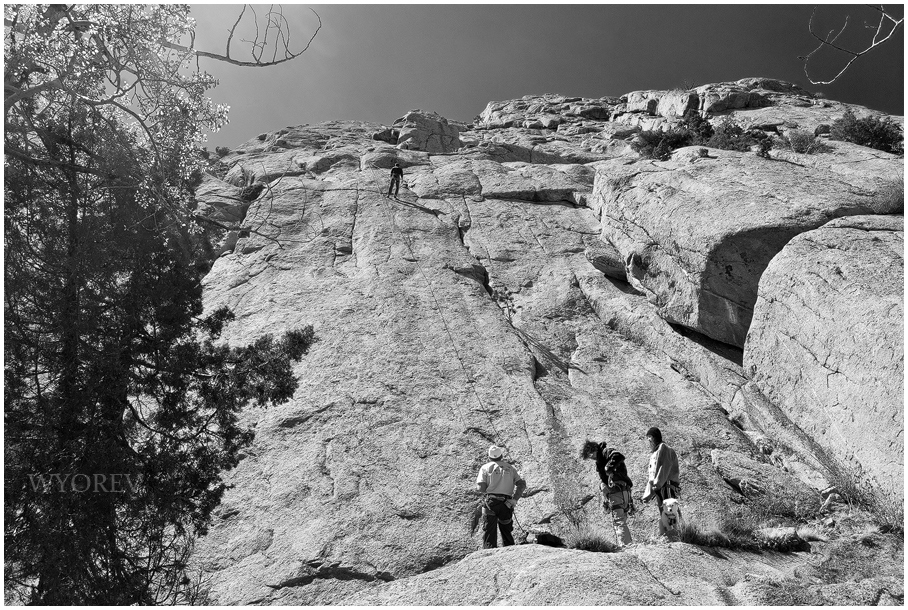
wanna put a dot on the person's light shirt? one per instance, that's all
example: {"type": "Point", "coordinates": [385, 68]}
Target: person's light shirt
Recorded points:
{"type": "Point", "coordinates": [500, 478]}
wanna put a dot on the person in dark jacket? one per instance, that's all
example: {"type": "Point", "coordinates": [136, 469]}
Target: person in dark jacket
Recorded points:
{"type": "Point", "coordinates": [615, 486]}
{"type": "Point", "coordinates": [396, 175]}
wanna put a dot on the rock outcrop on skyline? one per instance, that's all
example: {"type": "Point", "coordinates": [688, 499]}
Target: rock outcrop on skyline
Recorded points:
{"type": "Point", "coordinates": [537, 284]}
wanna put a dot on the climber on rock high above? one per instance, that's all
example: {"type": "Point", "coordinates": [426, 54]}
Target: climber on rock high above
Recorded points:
{"type": "Point", "coordinates": [396, 175]}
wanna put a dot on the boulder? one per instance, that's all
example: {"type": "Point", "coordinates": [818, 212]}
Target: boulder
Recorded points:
{"type": "Point", "coordinates": [388, 135]}
{"type": "Point", "coordinates": [427, 131]}
{"type": "Point", "coordinates": [826, 341]}
{"type": "Point", "coordinates": [672, 103]}
{"type": "Point", "coordinates": [606, 258]}
{"type": "Point", "coordinates": [696, 233]}
{"type": "Point", "coordinates": [676, 103]}
{"type": "Point", "coordinates": [642, 101]}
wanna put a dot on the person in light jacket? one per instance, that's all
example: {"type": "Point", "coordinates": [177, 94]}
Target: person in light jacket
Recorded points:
{"type": "Point", "coordinates": [502, 486]}
{"type": "Point", "coordinates": [664, 480]}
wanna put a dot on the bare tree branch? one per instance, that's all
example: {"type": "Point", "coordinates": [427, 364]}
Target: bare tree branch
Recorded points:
{"type": "Point", "coordinates": [258, 44]}
{"type": "Point", "coordinates": [887, 23]}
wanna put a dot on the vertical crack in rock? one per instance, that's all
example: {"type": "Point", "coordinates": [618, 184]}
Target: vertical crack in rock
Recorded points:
{"type": "Point", "coordinates": [353, 230]}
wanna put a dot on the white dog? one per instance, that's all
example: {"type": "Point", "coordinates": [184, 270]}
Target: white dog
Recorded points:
{"type": "Point", "coordinates": [671, 516]}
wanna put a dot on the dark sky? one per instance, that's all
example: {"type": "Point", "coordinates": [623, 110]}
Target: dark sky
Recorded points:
{"type": "Point", "coordinates": [376, 62]}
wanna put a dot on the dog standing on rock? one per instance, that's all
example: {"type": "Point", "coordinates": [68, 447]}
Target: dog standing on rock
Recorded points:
{"type": "Point", "coordinates": [670, 519]}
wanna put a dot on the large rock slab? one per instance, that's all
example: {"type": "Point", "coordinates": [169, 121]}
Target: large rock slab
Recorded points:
{"type": "Point", "coordinates": [697, 233]}
{"type": "Point", "coordinates": [827, 344]}
{"type": "Point", "coordinates": [446, 323]}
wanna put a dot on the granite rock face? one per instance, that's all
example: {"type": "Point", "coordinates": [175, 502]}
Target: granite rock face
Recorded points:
{"type": "Point", "coordinates": [697, 232]}
{"type": "Point", "coordinates": [534, 285]}
{"type": "Point", "coordinates": [845, 389]}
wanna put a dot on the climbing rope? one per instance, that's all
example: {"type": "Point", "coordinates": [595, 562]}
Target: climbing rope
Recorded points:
{"type": "Point", "coordinates": [497, 436]}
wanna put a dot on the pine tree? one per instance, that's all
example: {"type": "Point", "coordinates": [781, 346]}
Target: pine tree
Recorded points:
{"type": "Point", "coordinates": [120, 406]}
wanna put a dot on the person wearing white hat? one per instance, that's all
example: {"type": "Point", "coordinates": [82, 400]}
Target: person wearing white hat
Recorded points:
{"type": "Point", "coordinates": [502, 486]}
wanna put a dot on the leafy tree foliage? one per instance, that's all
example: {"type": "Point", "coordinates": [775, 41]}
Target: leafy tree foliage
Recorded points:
{"type": "Point", "coordinates": [115, 382]}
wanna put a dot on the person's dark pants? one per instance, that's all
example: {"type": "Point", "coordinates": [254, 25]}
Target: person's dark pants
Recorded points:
{"type": "Point", "coordinates": [500, 515]}
{"type": "Point", "coordinates": [395, 186]}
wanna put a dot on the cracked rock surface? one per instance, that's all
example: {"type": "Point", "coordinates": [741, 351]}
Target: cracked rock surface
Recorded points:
{"type": "Point", "coordinates": [534, 285]}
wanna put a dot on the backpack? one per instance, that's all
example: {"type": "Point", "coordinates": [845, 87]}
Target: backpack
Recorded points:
{"type": "Point", "coordinates": [612, 469]}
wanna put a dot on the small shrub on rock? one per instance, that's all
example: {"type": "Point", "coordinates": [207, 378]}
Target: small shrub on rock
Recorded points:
{"type": "Point", "coordinates": [646, 142]}
{"type": "Point", "coordinates": [583, 532]}
{"type": "Point", "coordinates": [660, 144]}
{"type": "Point", "coordinates": [663, 150]}
{"type": "Point", "coordinates": [764, 143]}
{"type": "Point", "coordinates": [890, 198]}
{"type": "Point", "coordinates": [881, 134]}
{"type": "Point", "coordinates": [700, 129]}
{"type": "Point", "coordinates": [802, 142]}
{"type": "Point", "coordinates": [729, 135]}
{"type": "Point", "coordinates": [252, 191]}
{"type": "Point", "coordinates": [590, 541]}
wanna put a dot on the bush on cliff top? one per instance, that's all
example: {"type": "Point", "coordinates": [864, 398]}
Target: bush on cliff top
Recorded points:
{"type": "Point", "coordinates": [881, 134]}
{"type": "Point", "coordinates": [694, 130]}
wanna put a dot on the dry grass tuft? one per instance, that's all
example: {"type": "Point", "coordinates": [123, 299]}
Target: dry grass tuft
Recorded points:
{"type": "Point", "coordinates": [890, 198]}
{"type": "Point", "coordinates": [726, 533]}
{"type": "Point", "coordinates": [888, 510]}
